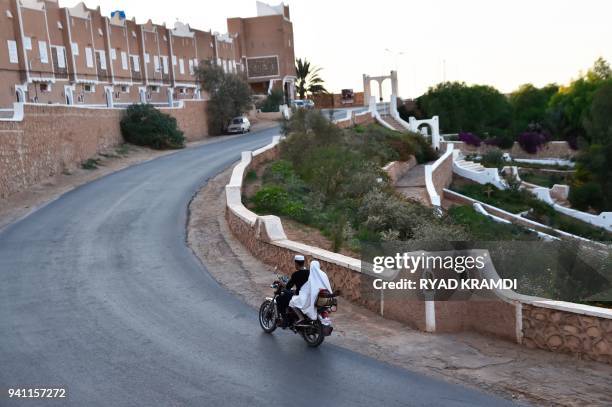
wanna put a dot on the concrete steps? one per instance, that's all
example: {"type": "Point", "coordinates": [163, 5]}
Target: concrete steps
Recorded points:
{"type": "Point", "coordinates": [412, 185]}
{"type": "Point", "coordinates": [470, 165]}
{"type": "Point", "coordinates": [393, 123]}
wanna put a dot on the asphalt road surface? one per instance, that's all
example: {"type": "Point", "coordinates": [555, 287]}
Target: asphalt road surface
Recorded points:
{"type": "Point", "coordinates": [99, 294]}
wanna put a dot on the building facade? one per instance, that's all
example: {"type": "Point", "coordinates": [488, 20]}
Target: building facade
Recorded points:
{"type": "Point", "coordinates": [77, 56]}
{"type": "Point", "coordinates": [265, 48]}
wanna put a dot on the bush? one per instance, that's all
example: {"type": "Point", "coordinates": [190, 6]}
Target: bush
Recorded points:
{"type": "Point", "coordinates": [470, 139]}
{"type": "Point", "coordinates": [585, 196]}
{"type": "Point", "coordinates": [144, 125]}
{"type": "Point", "coordinates": [503, 142]}
{"type": "Point", "coordinates": [532, 141]}
{"type": "Point", "coordinates": [275, 200]}
{"type": "Point", "coordinates": [273, 101]}
{"type": "Point", "coordinates": [493, 158]}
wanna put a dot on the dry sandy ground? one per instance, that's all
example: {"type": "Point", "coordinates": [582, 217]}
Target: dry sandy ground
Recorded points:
{"type": "Point", "coordinates": [22, 203]}
{"type": "Point", "coordinates": [500, 367]}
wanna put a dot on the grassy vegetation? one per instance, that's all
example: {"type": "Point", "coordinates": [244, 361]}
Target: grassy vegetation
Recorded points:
{"type": "Point", "coordinates": [544, 179]}
{"type": "Point", "coordinates": [538, 166]}
{"type": "Point", "coordinates": [517, 201]}
{"type": "Point", "coordinates": [482, 228]}
{"type": "Point", "coordinates": [331, 179]}
{"type": "Point", "coordinates": [90, 164]}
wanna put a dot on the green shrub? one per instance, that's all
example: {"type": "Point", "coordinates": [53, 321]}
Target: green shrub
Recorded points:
{"type": "Point", "coordinates": [493, 158]}
{"type": "Point", "coordinates": [273, 101]}
{"type": "Point", "coordinates": [144, 125]}
{"type": "Point", "coordinates": [484, 229]}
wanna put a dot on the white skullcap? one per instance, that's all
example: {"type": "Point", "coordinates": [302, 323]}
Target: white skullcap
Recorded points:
{"type": "Point", "coordinates": [298, 257]}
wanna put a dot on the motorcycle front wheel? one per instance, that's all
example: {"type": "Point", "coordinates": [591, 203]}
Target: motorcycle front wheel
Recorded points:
{"type": "Point", "coordinates": [313, 335]}
{"type": "Point", "coordinates": [267, 318]}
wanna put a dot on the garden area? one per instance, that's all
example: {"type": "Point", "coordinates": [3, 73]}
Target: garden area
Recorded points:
{"type": "Point", "coordinates": [518, 201]}
{"type": "Point", "coordinates": [331, 180]}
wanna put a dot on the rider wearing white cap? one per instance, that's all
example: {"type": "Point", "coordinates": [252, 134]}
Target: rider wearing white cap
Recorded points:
{"type": "Point", "coordinates": [298, 279]}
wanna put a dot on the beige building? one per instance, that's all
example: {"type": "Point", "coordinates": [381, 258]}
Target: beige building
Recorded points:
{"type": "Point", "coordinates": [77, 56]}
{"type": "Point", "coordinates": [264, 46]}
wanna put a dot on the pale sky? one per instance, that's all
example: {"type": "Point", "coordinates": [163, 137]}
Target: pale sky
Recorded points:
{"type": "Point", "coordinates": [503, 43]}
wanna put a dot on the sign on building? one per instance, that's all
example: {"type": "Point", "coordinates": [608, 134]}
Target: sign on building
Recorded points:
{"type": "Point", "coordinates": [262, 66]}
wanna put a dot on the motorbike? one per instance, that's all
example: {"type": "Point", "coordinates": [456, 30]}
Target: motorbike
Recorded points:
{"type": "Point", "coordinates": [313, 331]}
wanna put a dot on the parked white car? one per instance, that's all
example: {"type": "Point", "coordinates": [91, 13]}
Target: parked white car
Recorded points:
{"type": "Point", "coordinates": [239, 125]}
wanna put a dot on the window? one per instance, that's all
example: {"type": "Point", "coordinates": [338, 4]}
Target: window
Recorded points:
{"type": "Point", "coordinates": [165, 64]}
{"type": "Point", "coordinates": [125, 89]}
{"type": "Point", "coordinates": [42, 52]}
{"type": "Point", "coordinates": [191, 67]}
{"type": "Point", "coordinates": [124, 60]}
{"type": "Point", "coordinates": [89, 88]}
{"type": "Point", "coordinates": [156, 63]}
{"type": "Point", "coordinates": [12, 51]}
{"type": "Point", "coordinates": [45, 87]}
{"type": "Point", "coordinates": [134, 34]}
{"type": "Point", "coordinates": [100, 32]}
{"type": "Point", "coordinates": [59, 25]}
{"type": "Point", "coordinates": [181, 91]}
{"type": "Point", "coordinates": [113, 54]}
{"type": "Point", "coordinates": [146, 58]}
{"type": "Point", "coordinates": [173, 59]}
{"type": "Point", "coordinates": [135, 63]}
{"type": "Point", "coordinates": [155, 89]}
{"type": "Point", "coordinates": [61, 57]}
{"type": "Point", "coordinates": [75, 49]}
{"type": "Point", "coordinates": [102, 58]}
{"type": "Point", "coordinates": [9, 14]}
{"type": "Point", "coordinates": [89, 57]}
{"type": "Point", "coordinates": [27, 43]}
{"type": "Point", "coordinates": [181, 66]}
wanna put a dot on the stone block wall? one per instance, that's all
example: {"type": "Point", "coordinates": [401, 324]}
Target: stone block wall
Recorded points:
{"type": "Point", "coordinates": [553, 149]}
{"type": "Point", "coordinates": [192, 118]}
{"type": "Point", "coordinates": [560, 331]}
{"type": "Point", "coordinates": [442, 175]}
{"type": "Point", "coordinates": [53, 138]}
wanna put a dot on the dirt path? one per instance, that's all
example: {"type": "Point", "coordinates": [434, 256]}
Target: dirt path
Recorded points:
{"type": "Point", "coordinates": [496, 366]}
{"type": "Point", "coordinates": [22, 203]}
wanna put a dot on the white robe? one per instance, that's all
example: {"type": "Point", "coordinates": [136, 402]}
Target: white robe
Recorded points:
{"type": "Point", "coordinates": [306, 300]}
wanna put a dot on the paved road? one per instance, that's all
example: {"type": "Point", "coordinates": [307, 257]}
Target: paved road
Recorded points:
{"type": "Point", "coordinates": [99, 293]}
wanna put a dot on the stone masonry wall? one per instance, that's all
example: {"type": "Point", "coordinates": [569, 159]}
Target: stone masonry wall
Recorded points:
{"type": "Point", "coordinates": [554, 149]}
{"type": "Point", "coordinates": [53, 138]}
{"type": "Point", "coordinates": [559, 331]}
{"type": "Point", "coordinates": [442, 176]}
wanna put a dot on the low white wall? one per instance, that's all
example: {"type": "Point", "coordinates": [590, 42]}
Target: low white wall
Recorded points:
{"type": "Point", "coordinates": [488, 176]}
{"type": "Point", "coordinates": [434, 197]}
{"type": "Point", "coordinates": [603, 220]}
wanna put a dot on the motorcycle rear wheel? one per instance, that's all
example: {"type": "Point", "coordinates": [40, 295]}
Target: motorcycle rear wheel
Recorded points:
{"type": "Point", "coordinates": [313, 335]}
{"type": "Point", "coordinates": [267, 319]}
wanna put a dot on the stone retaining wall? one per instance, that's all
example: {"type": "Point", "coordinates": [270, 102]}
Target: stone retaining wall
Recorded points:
{"type": "Point", "coordinates": [50, 139]}
{"type": "Point", "coordinates": [553, 149]}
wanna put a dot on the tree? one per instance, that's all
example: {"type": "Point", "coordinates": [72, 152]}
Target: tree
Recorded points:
{"type": "Point", "coordinates": [592, 186]}
{"type": "Point", "coordinates": [480, 109]}
{"type": "Point", "coordinates": [529, 106]}
{"type": "Point", "coordinates": [308, 79]}
{"type": "Point", "coordinates": [569, 106]}
{"type": "Point", "coordinates": [600, 71]}
{"type": "Point", "coordinates": [230, 95]}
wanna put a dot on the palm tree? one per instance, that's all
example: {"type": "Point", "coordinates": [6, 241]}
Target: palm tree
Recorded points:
{"type": "Point", "coordinates": [308, 79]}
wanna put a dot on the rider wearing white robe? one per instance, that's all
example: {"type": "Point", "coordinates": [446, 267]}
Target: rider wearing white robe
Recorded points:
{"type": "Point", "coordinates": [306, 300]}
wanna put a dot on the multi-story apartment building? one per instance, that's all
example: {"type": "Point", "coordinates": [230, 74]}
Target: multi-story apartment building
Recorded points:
{"type": "Point", "coordinates": [265, 48]}
{"type": "Point", "coordinates": [77, 56]}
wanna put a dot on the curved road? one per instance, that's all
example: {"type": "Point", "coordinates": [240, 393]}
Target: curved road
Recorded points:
{"type": "Point", "coordinates": [100, 294]}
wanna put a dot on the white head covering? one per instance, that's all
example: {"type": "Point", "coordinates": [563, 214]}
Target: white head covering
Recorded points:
{"type": "Point", "coordinates": [306, 301]}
